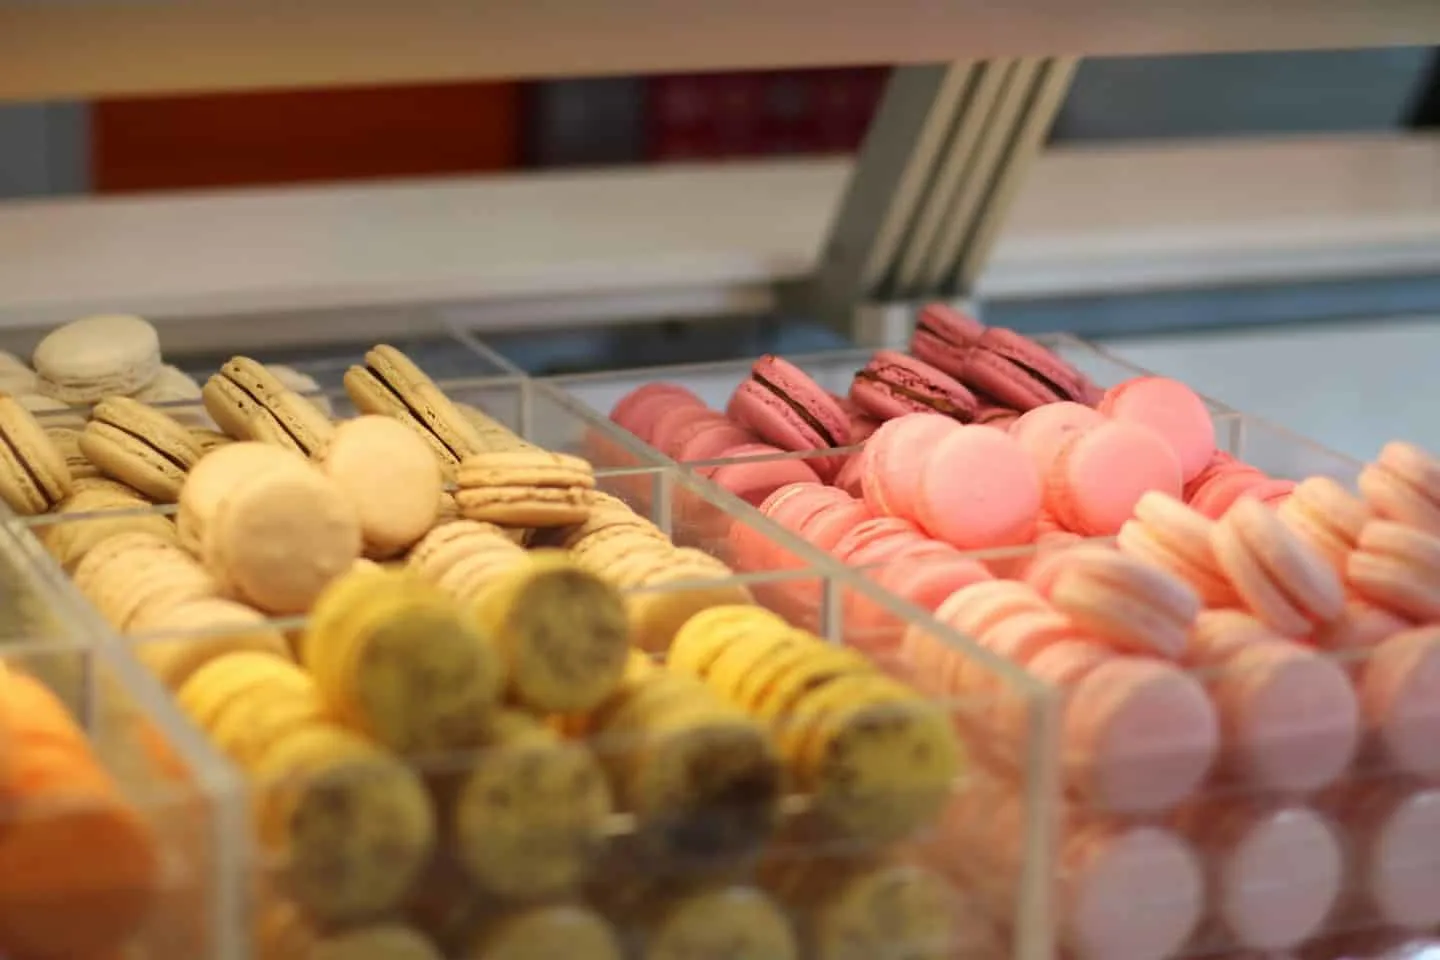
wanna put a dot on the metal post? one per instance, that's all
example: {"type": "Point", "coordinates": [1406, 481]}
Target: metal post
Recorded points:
{"type": "Point", "coordinates": [935, 178]}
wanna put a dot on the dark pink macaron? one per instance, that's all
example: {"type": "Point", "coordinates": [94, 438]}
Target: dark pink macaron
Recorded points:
{"type": "Point", "coordinates": [1019, 372]}
{"type": "Point", "coordinates": [893, 384]}
{"type": "Point", "coordinates": [790, 410]}
{"type": "Point", "coordinates": [943, 335]}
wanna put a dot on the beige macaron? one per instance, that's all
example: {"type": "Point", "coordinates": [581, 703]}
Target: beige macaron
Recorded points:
{"type": "Point", "coordinates": [215, 475]}
{"type": "Point", "coordinates": [390, 384]}
{"type": "Point", "coordinates": [140, 446]}
{"type": "Point", "coordinates": [183, 637]}
{"type": "Point", "coordinates": [250, 403]}
{"type": "Point", "coordinates": [278, 538]}
{"type": "Point", "coordinates": [33, 474]}
{"type": "Point", "coordinates": [96, 357]}
{"type": "Point", "coordinates": [90, 516]}
{"type": "Point", "coordinates": [390, 477]}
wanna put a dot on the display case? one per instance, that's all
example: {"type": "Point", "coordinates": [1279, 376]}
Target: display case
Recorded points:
{"type": "Point", "coordinates": [1302, 818]}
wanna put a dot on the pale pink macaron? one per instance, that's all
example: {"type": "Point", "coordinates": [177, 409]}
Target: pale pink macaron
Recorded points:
{"type": "Point", "coordinates": [1168, 534]}
{"type": "Point", "coordinates": [1397, 567]}
{"type": "Point", "coordinates": [925, 582]}
{"type": "Point", "coordinates": [1361, 627]}
{"type": "Point", "coordinates": [1122, 889]}
{"type": "Point", "coordinates": [877, 540]}
{"type": "Point", "coordinates": [1327, 517]}
{"type": "Point", "coordinates": [1101, 473]}
{"type": "Point", "coordinates": [1277, 871]}
{"type": "Point", "coordinates": [1283, 581]}
{"type": "Point", "coordinates": [1174, 411]}
{"type": "Point", "coordinates": [978, 490]}
{"type": "Point", "coordinates": [1403, 484]}
{"type": "Point", "coordinates": [892, 464]}
{"type": "Point", "coordinates": [977, 607]}
{"type": "Point", "coordinates": [1394, 829]}
{"type": "Point", "coordinates": [1399, 687]}
{"type": "Point", "coordinates": [1044, 430]}
{"type": "Point", "coordinates": [1140, 735]}
{"type": "Point", "coordinates": [1127, 891]}
{"type": "Point", "coordinates": [1123, 602]}
{"type": "Point", "coordinates": [1289, 717]}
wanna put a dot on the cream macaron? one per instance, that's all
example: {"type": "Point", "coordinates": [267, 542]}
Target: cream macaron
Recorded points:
{"type": "Point", "coordinates": [96, 357]}
{"type": "Point", "coordinates": [390, 476]}
{"type": "Point", "coordinates": [33, 474]}
{"type": "Point", "coordinates": [140, 446]}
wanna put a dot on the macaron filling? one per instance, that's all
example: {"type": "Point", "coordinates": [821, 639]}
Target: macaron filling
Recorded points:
{"type": "Point", "coordinates": [809, 418]}
{"type": "Point", "coordinates": [415, 412]}
{"type": "Point", "coordinates": [26, 468]}
{"type": "Point", "coordinates": [170, 458]}
{"type": "Point", "coordinates": [1060, 390]}
{"type": "Point", "coordinates": [259, 402]}
{"type": "Point", "coordinates": [915, 394]}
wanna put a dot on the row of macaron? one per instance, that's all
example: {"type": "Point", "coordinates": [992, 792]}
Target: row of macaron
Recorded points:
{"type": "Point", "coordinates": [1326, 576]}
{"type": "Point", "coordinates": [82, 362]}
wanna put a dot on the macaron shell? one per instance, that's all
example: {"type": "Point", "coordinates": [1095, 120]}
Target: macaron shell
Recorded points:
{"type": "Point", "coordinates": [34, 476]}
{"type": "Point", "coordinates": [893, 384]}
{"type": "Point", "coordinates": [754, 482]}
{"type": "Point", "coordinates": [1132, 892]}
{"type": "Point", "coordinates": [1172, 410]}
{"type": "Point", "coordinates": [1044, 430]}
{"type": "Point", "coordinates": [98, 356]}
{"type": "Point", "coordinates": [387, 473]}
{"type": "Point", "coordinates": [979, 490]}
{"type": "Point", "coordinates": [894, 459]}
{"type": "Point", "coordinates": [1400, 699]}
{"type": "Point", "coordinates": [1302, 575]}
{"type": "Point", "coordinates": [1290, 717]}
{"type": "Point", "coordinates": [637, 410]}
{"type": "Point", "coordinates": [817, 409]}
{"type": "Point", "coordinates": [1100, 474]}
{"type": "Point", "coordinates": [1140, 735]}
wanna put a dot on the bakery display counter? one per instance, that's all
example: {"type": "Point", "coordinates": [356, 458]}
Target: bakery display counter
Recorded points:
{"type": "Point", "coordinates": [321, 642]}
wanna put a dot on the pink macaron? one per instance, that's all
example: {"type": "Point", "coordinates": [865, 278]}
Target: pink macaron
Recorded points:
{"type": "Point", "coordinates": [892, 463]}
{"type": "Point", "coordinates": [788, 409]}
{"type": "Point", "coordinates": [755, 480]}
{"type": "Point", "coordinates": [1403, 484]}
{"type": "Point", "coordinates": [638, 410]}
{"type": "Point", "coordinates": [893, 384]}
{"type": "Point", "coordinates": [1019, 372]}
{"type": "Point", "coordinates": [1172, 410]}
{"type": "Point", "coordinates": [1123, 602]}
{"type": "Point", "coordinates": [1044, 430]}
{"type": "Point", "coordinates": [978, 489]}
{"type": "Point", "coordinates": [943, 335]}
{"type": "Point", "coordinates": [1173, 537]}
{"type": "Point", "coordinates": [1282, 581]}
{"type": "Point", "coordinates": [1100, 474]}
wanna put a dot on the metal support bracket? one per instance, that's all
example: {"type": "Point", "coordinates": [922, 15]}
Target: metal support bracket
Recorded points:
{"type": "Point", "coordinates": [943, 160]}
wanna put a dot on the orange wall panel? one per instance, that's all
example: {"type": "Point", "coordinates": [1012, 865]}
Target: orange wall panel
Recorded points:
{"type": "Point", "coordinates": [247, 139]}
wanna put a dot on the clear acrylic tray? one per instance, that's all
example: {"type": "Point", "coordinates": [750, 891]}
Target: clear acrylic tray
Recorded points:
{"type": "Point", "coordinates": [1027, 861]}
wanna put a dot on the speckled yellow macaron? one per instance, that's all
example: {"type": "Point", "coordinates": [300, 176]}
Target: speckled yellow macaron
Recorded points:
{"type": "Point", "coordinates": [399, 660]}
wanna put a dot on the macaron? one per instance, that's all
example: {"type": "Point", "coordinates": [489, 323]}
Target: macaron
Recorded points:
{"type": "Point", "coordinates": [96, 357]}
{"type": "Point", "coordinates": [638, 410]}
{"type": "Point", "coordinates": [215, 475]}
{"type": "Point", "coordinates": [1173, 411]}
{"type": "Point", "coordinates": [1019, 372]}
{"type": "Point", "coordinates": [1123, 602]}
{"type": "Point", "coordinates": [390, 477]}
{"type": "Point", "coordinates": [525, 488]}
{"type": "Point", "coordinates": [1403, 484]}
{"type": "Point", "coordinates": [891, 466]}
{"type": "Point", "coordinates": [303, 384]}
{"type": "Point", "coordinates": [892, 384]}
{"type": "Point", "coordinates": [278, 538]}
{"type": "Point", "coordinates": [140, 446]}
{"type": "Point", "coordinates": [390, 384]}
{"type": "Point", "coordinates": [1099, 474]}
{"type": "Point", "coordinates": [753, 480]}
{"type": "Point", "coordinates": [1397, 567]}
{"type": "Point", "coordinates": [249, 403]}
{"type": "Point", "coordinates": [790, 410]}
{"type": "Point", "coordinates": [1044, 430]}
{"type": "Point", "coordinates": [33, 475]}
{"type": "Point", "coordinates": [1167, 534]}
{"type": "Point", "coordinates": [179, 394]}
{"type": "Point", "coordinates": [978, 489]}
{"type": "Point", "coordinates": [1282, 581]}
{"type": "Point", "coordinates": [943, 336]}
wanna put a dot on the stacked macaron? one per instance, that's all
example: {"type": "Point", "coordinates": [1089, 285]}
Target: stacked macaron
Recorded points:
{"type": "Point", "coordinates": [957, 369]}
